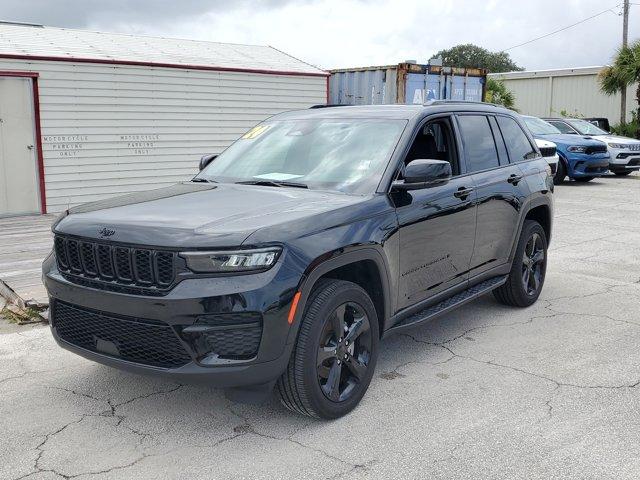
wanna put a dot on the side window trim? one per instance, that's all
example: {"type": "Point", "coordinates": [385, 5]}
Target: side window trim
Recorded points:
{"type": "Point", "coordinates": [501, 144]}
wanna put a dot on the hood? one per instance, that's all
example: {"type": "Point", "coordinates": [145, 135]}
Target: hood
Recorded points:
{"type": "Point", "coordinates": [566, 139]}
{"type": "Point", "coordinates": [544, 143]}
{"type": "Point", "coordinates": [197, 214]}
{"type": "Point", "coordinates": [615, 139]}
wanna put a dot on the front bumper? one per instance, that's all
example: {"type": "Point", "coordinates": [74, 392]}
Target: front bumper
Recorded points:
{"type": "Point", "coordinates": [583, 165]}
{"type": "Point", "coordinates": [624, 160]}
{"type": "Point", "coordinates": [191, 307]}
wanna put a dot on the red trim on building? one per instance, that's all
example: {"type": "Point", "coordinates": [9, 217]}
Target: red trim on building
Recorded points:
{"type": "Point", "coordinates": [163, 65]}
{"type": "Point", "coordinates": [38, 132]}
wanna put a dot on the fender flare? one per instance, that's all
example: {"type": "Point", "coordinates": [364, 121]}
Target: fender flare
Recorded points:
{"type": "Point", "coordinates": [336, 259]}
{"type": "Point", "coordinates": [538, 201]}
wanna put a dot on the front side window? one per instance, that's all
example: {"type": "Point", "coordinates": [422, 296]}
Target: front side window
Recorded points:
{"type": "Point", "coordinates": [348, 155]}
{"type": "Point", "coordinates": [586, 128]}
{"type": "Point", "coordinates": [518, 144]}
{"type": "Point", "coordinates": [563, 127]}
{"type": "Point", "coordinates": [478, 142]}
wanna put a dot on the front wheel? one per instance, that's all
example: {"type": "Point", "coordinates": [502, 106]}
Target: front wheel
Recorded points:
{"type": "Point", "coordinates": [335, 354]}
{"type": "Point", "coordinates": [526, 278]}
{"type": "Point", "coordinates": [561, 173]}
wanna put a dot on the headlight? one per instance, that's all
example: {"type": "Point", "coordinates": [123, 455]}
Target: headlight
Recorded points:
{"type": "Point", "coordinates": [617, 145]}
{"type": "Point", "coordinates": [577, 148]}
{"type": "Point", "coordinates": [232, 261]}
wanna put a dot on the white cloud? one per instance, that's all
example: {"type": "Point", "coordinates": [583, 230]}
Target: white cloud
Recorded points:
{"type": "Point", "coordinates": [347, 33]}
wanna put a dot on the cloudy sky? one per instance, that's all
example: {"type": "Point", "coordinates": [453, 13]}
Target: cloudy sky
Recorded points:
{"type": "Point", "coordinates": [347, 33]}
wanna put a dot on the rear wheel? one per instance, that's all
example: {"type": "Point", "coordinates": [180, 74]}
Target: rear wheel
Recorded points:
{"type": "Point", "coordinates": [561, 173]}
{"type": "Point", "coordinates": [584, 179]}
{"type": "Point", "coordinates": [622, 173]}
{"type": "Point", "coordinates": [526, 278]}
{"type": "Point", "coordinates": [335, 354]}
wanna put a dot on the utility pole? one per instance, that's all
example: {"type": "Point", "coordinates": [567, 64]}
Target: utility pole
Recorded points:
{"type": "Point", "coordinates": [625, 36]}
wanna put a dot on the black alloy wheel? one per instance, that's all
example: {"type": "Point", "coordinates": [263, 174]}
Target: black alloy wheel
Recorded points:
{"type": "Point", "coordinates": [335, 354]}
{"type": "Point", "coordinates": [533, 263]}
{"type": "Point", "coordinates": [344, 352]}
{"type": "Point", "coordinates": [528, 269]}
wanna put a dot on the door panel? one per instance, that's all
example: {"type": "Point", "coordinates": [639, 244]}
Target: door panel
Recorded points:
{"type": "Point", "coordinates": [18, 163]}
{"type": "Point", "coordinates": [500, 193]}
{"type": "Point", "coordinates": [437, 231]}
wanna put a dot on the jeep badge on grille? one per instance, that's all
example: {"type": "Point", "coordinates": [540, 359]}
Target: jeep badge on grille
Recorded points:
{"type": "Point", "coordinates": [105, 232]}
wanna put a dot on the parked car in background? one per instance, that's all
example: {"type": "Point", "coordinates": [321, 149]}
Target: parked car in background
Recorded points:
{"type": "Point", "coordinates": [624, 151]}
{"type": "Point", "coordinates": [581, 158]}
{"type": "Point", "coordinates": [600, 122]}
{"type": "Point", "coordinates": [549, 152]}
{"type": "Point", "coordinates": [289, 256]}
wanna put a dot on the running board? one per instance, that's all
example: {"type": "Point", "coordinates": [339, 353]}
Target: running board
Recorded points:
{"type": "Point", "coordinates": [449, 304]}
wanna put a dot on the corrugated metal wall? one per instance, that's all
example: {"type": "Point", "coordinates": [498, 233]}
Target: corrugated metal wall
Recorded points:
{"type": "Point", "coordinates": [575, 91]}
{"type": "Point", "coordinates": [117, 129]}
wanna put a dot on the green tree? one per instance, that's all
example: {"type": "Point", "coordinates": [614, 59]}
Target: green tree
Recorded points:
{"type": "Point", "coordinates": [624, 71]}
{"type": "Point", "coordinates": [472, 56]}
{"type": "Point", "coordinates": [497, 92]}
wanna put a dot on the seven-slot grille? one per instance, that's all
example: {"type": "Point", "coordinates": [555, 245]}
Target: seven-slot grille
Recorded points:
{"type": "Point", "coordinates": [548, 151]}
{"type": "Point", "coordinates": [114, 263]}
{"type": "Point", "coordinates": [634, 147]}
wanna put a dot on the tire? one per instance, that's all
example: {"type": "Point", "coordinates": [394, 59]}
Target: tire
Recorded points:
{"type": "Point", "coordinates": [583, 179]}
{"type": "Point", "coordinates": [622, 173]}
{"type": "Point", "coordinates": [561, 173]}
{"type": "Point", "coordinates": [301, 386]}
{"type": "Point", "coordinates": [514, 291]}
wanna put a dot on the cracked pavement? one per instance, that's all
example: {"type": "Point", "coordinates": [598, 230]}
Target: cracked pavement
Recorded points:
{"type": "Point", "coordinates": [551, 391]}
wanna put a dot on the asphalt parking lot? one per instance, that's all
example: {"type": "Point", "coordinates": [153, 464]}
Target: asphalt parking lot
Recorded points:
{"type": "Point", "coordinates": [551, 391]}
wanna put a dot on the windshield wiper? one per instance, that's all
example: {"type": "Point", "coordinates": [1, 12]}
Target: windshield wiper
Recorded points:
{"type": "Point", "coordinates": [202, 180]}
{"type": "Point", "coordinates": [273, 183]}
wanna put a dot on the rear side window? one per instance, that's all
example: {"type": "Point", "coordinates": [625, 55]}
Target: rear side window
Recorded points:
{"type": "Point", "coordinates": [518, 144]}
{"type": "Point", "coordinates": [478, 142]}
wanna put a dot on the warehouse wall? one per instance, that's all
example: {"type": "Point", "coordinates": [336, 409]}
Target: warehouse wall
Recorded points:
{"type": "Point", "coordinates": [547, 93]}
{"type": "Point", "coordinates": [109, 129]}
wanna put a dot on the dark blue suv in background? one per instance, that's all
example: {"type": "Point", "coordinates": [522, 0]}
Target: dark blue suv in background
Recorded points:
{"type": "Point", "coordinates": [581, 158]}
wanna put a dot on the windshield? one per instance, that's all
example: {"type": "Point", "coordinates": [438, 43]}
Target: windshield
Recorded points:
{"type": "Point", "coordinates": [349, 155]}
{"type": "Point", "coordinates": [540, 127]}
{"type": "Point", "coordinates": [586, 128]}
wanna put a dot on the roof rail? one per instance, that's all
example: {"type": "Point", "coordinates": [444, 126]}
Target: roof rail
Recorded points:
{"type": "Point", "coordinates": [327, 105]}
{"type": "Point", "coordinates": [21, 24]}
{"type": "Point", "coordinates": [472, 102]}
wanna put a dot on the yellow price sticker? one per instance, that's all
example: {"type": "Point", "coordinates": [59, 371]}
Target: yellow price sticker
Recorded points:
{"type": "Point", "coordinates": [256, 132]}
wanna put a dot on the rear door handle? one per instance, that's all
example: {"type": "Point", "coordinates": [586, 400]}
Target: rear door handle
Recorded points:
{"type": "Point", "coordinates": [514, 179]}
{"type": "Point", "coordinates": [463, 193]}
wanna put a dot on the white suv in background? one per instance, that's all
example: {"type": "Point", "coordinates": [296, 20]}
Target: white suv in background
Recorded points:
{"type": "Point", "coordinates": [624, 151]}
{"type": "Point", "coordinates": [548, 151]}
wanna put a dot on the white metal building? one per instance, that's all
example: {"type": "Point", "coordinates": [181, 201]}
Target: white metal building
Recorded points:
{"type": "Point", "coordinates": [87, 115]}
{"type": "Point", "coordinates": [545, 93]}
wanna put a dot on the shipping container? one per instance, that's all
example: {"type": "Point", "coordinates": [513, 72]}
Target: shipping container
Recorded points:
{"type": "Point", "coordinates": [88, 115]}
{"type": "Point", "coordinates": [405, 83]}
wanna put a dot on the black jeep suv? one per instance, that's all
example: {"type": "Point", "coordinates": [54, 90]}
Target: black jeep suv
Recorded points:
{"type": "Point", "coordinates": [289, 256]}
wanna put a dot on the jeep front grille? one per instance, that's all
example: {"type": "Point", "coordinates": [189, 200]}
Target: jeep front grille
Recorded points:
{"type": "Point", "coordinates": [105, 263]}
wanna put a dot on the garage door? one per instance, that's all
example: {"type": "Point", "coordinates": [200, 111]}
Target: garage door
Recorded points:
{"type": "Point", "coordinates": [18, 162]}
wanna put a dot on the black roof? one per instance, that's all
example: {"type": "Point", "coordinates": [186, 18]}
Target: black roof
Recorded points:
{"type": "Point", "coordinates": [406, 112]}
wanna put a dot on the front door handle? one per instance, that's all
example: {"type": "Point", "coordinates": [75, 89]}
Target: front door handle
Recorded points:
{"type": "Point", "coordinates": [514, 179]}
{"type": "Point", "coordinates": [463, 192]}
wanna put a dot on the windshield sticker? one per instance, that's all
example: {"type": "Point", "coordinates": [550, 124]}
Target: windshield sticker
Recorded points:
{"type": "Point", "coordinates": [277, 176]}
{"type": "Point", "coordinates": [255, 132]}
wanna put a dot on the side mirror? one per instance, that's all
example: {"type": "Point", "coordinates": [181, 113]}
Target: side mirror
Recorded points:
{"type": "Point", "coordinates": [424, 174]}
{"type": "Point", "coordinates": [206, 160]}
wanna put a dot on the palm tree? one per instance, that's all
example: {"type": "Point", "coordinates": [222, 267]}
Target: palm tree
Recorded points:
{"type": "Point", "coordinates": [497, 92]}
{"type": "Point", "coordinates": [625, 71]}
